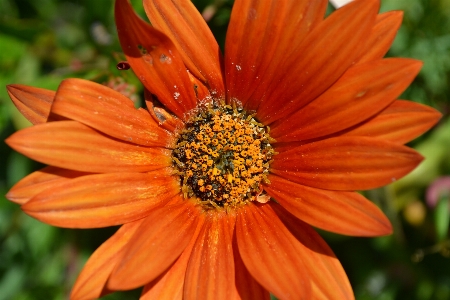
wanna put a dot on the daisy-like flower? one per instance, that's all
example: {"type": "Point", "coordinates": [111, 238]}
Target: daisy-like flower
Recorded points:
{"type": "Point", "coordinates": [217, 184]}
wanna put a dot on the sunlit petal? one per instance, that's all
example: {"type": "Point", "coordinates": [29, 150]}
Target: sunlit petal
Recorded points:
{"type": "Point", "coordinates": [381, 36]}
{"type": "Point", "coordinates": [269, 253]}
{"type": "Point", "coordinates": [341, 212]}
{"type": "Point", "coordinates": [401, 122]}
{"type": "Point", "coordinates": [181, 21]}
{"type": "Point", "coordinates": [71, 145]}
{"type": "Point", "coordinates": [158, 242]}
{"type": "Point", "coordinates": [155, 60]}
{"type": "Point", "coordinates": [346, 163]}
{"type": "Point", "coordinates": [34, 103]}
{"type": "Point", "coordinates": [260, 37]}
{"type": "Point", "coordinates": [109, 112]}
{"type": "Point", "coordinates": [210, 271]}
{"type": "Point", "coordinates": [101, 200]}
{"type": "Point", "coordinates": [310, 70]}
{"type": "Point", "coordinates": [363, 91]}
{"type": "Point", "coordinates": [247, 287]}
{"type": "Point", "coordinates": [170, 284]}
{"type": "Point", "coordinates": [220, 179]}
{"type": "Point", "coordinates": [92, 279]}
{"type": "Point", "coordinates": [327, 276]}
{"type": "Point", "coordinates": [39, 181]}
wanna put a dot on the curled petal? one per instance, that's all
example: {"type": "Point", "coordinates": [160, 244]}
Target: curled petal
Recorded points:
{"type": "Point", "coordinates": [210, 271]}
{"type": "Point", "coordinates": [71, 145]}
{"type": "Point", "coordinates": [362, 92]}
{"type": "Point", "coordinates": [260, 37]}
{"type": "Point", "coordinates": [158, 242]}
{"type": "Point", "coordinates": [39, 181]}
{"type": "Point", "coordinates": [311, 69]}
{"type": "Point", "coordinates": [341, 212]}
{"type": "Point", "coordinates": [92, 279]}
{"type": "Point", "coordinates": [101, 200]}
{"type": "Point", "coordinates": [170, 284]}
{"type": "Point", "coordinates": [346, 163]}
{"type": "Point", "coordinates": [328, 278]}
{"type": "Point", "coordinates": [33, 103]}
{"type": "Point", "coordinates": [202, 92]}
{"type": "Point", "coordinates": [155, 60]}
{"type": "Point", "coordinates": [108, 111]}
{"type": "Point", "coordinates": [270, 253]}
{"type": "Point", "coordinates": [165, 119]}
{"type": "Point", "coordinates": [400, 122]}
{"type": "Point", "coordinates": [184, 25]}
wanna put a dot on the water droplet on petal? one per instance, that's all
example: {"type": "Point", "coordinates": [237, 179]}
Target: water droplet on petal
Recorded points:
{"type": "Point", "coordinates": [165, 59]}
{"type": "Point", "coordinates": [361, 93]}
{"type": "Point", "coordinates": [148, 59]}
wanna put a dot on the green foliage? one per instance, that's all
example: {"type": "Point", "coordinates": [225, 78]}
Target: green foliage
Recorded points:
{"type": "Point", "coordinates": [43, 42]}
{"type": "Point", "coordinates": [442, 217]}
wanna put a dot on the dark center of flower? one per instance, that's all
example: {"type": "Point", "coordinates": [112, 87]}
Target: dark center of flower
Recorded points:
{"type": "Point", "coordinates": [222, 156]}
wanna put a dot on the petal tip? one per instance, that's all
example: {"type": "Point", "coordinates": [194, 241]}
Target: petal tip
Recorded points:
{"type": "Point", "coordinates": [383, 228]}
{"type": "Point", "coordinates": [13, 141]}
{"type": "Point", "coordinates": [11, 88]}
{"type": "Point", "coordinates": [11, 196]}
{"type": "Point", "coordinates": [397, 15]}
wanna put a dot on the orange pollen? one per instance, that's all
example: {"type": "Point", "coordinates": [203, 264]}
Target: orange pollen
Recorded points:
{"type": "Point", "coordinates": [222, 156]}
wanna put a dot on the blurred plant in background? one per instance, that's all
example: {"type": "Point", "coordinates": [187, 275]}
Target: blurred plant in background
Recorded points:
{"type": "Point", "coordinates": [43, 42]}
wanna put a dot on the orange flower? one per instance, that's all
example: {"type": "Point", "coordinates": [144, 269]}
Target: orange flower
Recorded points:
{"type": "Point", "coordinates": [214, 204]}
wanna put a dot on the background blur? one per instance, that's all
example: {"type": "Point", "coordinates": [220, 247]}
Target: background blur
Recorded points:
{"type": "Point", "coordinates": [43, 42]}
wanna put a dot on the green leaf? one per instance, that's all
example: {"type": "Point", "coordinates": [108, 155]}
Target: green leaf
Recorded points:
{"type": "Point", "coordinates": [442, 217]}
{"type": "Point", "coordinates": [12, 50]}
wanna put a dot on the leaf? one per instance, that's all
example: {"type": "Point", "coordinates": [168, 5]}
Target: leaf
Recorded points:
{"type": "Point", "coordinates": [442, 216]}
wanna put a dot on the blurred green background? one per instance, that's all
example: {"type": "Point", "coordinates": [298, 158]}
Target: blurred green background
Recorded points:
{"type": "Point", "coordinates": [43, 42]}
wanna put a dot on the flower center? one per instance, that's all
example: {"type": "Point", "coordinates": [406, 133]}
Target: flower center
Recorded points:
{"type": "Point", "coordinates": [222, 155]}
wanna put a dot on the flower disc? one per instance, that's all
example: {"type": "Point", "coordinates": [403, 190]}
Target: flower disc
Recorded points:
{"type": "Point", "coordinates": [222, 156]}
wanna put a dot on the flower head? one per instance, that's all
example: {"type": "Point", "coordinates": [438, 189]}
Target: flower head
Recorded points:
{"type": "Point", "coordinates": [217, 188]}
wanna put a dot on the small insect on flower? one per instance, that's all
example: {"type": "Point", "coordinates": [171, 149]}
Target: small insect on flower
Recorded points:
{"type": "Point", "coordinates": [211, 201]}
{"type": "Point", "coordinates": [123, 65]}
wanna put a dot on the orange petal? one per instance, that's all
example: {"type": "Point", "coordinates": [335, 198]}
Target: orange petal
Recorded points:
{"type": "Point", "coordinates": [160, 115]}
{"type": "Point", "coordinates": [247, 287]}
{"type": "Point", "coordinates": [270, 252]}
{"type": "Point", "coordinates": [170, 285]}
{"type": "Point", "coordinates": [383, 33]}
{"type": "Point", "coordinates": [159, 241]}
{"type": "Point", "coordinates": [71, 145]}
{"type": "Point", "coordinates": [328, 278]}
{"type": "Point", "coordinates": [346, 163]}
{"type": "Point", "coordinates": [155, 60]}
{"type": "Point", "coordinates": [93, 277]}
{"type": "Point", "coordinates": [185, 26]}
{"type": "Point", "coordinates": [400, 123]}
{"type": "Point", "coordinates": [101, 200]}
{"type": "Point", "coordinates": [261, 35]}
{"type": "Point", "coordinates": [341, 212]}
{"type": "Point", "coordinates": [33, 103]}
{"type": "Point", "coordinates": [108, 111]}
{"type": "Point", "coordinates": [325, 54]}
{"type": "Point", "coordinates": [39, 181]}
{"type": "Point", "coordinates": [362, 92]}
{"type": "Point", "coordinates": [210, 271]}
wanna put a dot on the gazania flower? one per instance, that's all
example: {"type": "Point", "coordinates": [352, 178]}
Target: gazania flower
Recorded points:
{"type": "Point", "coordinates": [218, 185]}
